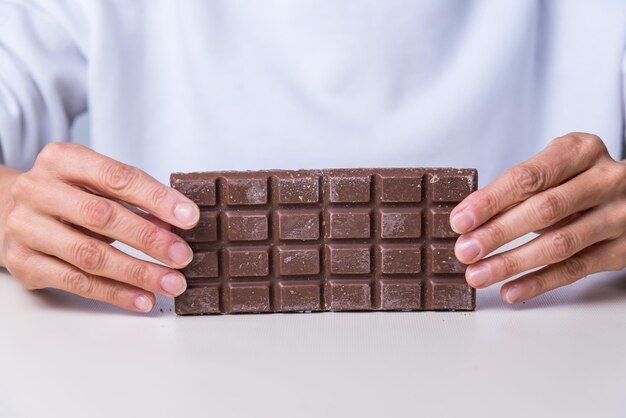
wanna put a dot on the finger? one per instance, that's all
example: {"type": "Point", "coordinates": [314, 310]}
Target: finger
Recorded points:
{"type": "Point", "coordinates": [560, 223]}
{"type": "Point", "coordinates": [604, 256]}
{"type": "Point", "coordinates": [45, 271]}
{"type": "Point", "coordinates": [78, 164]}
{"type": "Point", "coordinates": [147, 216]}
{"type": "Point", "coordinates": [604, 223]}
{"type": "Point", "coordinates": [92, 234]}
{"type": "Point", "coordinates": [110, 219]}
{"type": "Point", "coordinates": [98, 258]}
{"type": "Point", "coordinates": [562, 159]}
{"type": "Point", "coordinates": [154, 220]}
{"type": "Point", "coordinates": [584, 191]}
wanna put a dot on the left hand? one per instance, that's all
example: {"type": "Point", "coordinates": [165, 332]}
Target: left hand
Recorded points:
{"type": "Point", "coordinates": [573, 193]}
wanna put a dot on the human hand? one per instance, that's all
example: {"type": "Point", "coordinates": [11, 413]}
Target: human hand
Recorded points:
{"type": "Point", "coordinates": [63, 214]}
{"type": "Point", "coordinates": [573, 193]}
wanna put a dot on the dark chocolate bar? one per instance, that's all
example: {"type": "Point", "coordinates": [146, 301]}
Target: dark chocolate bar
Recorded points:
{"type": "Point", "coordinates": [324, 240]}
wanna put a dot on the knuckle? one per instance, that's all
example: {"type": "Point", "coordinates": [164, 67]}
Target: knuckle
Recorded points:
{"type": "Point", "coordinates": [487, 200]}
{"type": "Point", "coordinates": [496, 233]}
{"type": "Point", "coordinates": [77, 282]}
{"type": "Point", "coordinates": [119, 177]}
{"type": "Point", "coordinates": [589, 144]}
{"type": "Point", "coordinates": [616, 174]}
{"type": "Point", "coordinates": [565, 140]}
{"type": "Point", "coordinates": [564, 243]}
{"type": "Point", "coordinates": [541, 284]}
{"type": "Point", "coordinates": [22, 186]}
{"type": "Point", "coordinates": [50, 153]}
{"type": "Point", "coordinates": [510, 265]}
{"type": "Point", "coordinates": [18, 224]}
{"type": "Point", "coordinates": [616, 263]}
{"type": "Point", "coordinates": [614, 255]}
{"type": "Point", "coordinates": [149, 237]}
{"type": "Point", "coordinates": [33, 282]}
{"type": "Point", "coordinates": [14, 262]}
{"type": "Point", "coordinates": [158, 196]}
{"type": "Point", "coordinates": [530, 178]}
{"type": "Point", "coordinates": [576, 267]}
{"type": "Point", "coordinates": [113, 295]}
{"type": "Point", "coordinates": [29, 284]}
{"type": "Point", "coordinates": [139, 275]}
{"type": "Point", "coordinates": [89, 255]}
{"type": "Point", "coordinates": [13, 225]}
{"type": "Point", "coordinates": [551, 208]}
{"type": "Point", "coordinates": [97, 212]}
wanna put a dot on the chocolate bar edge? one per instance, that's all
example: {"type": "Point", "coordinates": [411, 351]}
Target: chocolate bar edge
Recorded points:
{"type": "Point", "coordinates": [199, 176]}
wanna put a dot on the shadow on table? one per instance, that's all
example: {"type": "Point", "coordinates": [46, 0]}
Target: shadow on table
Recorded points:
{"type": "Point", "coordinates": [58, 299]}
{"type": "Point", "coordinates": [599, 289]}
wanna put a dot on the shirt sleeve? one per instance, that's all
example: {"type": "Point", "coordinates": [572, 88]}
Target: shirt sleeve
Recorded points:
{"type": "Point", "coordinates": [42, 77]}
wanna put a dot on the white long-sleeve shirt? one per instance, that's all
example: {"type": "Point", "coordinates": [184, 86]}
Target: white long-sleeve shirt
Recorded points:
{"type": "Point", "coordinates": [206, 85]}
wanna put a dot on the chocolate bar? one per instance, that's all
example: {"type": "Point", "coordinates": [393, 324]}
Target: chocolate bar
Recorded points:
{"type": "Point", "coordinates": [324, 240]}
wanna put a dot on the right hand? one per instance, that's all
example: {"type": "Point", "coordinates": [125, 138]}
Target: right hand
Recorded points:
{"type": "Point", "coordinates": [62, 214]}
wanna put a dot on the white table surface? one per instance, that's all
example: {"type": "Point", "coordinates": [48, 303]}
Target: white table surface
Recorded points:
{"type": "Point", "coordinates": [560, 355]}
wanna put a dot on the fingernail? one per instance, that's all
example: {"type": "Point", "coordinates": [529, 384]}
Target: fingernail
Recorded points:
{"type": "Point", "coordinates": [478, 276]}
{"type": "Point", "coordinates": [143, 303]}
{"type": "Point", "coordinates": [467, 250]}
{"type": "Point", "coordinates": [186, 213]}
{"type": "Point", "coordinates": [173, 284]}
{"type": "Point", "coordinates": [461, 222]}
{"type": "Point", "coordinates": [514, 294]}
{"type": "Point", "coordinates": [180, 253]}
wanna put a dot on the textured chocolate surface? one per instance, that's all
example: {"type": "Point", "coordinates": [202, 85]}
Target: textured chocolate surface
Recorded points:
{"type": "Point", "coordinates": [325, 240]}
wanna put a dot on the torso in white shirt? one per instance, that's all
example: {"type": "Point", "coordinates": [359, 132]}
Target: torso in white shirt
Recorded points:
{"type": "Point", "coordinates": [196, 85]}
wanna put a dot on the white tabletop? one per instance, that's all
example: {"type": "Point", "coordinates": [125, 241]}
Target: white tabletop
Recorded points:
{"type": "Point", "coordinates": [561, 355]}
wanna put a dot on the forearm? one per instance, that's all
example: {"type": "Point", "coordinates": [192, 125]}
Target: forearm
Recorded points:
{"type": "Point", "coordinates": [7, 177]}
